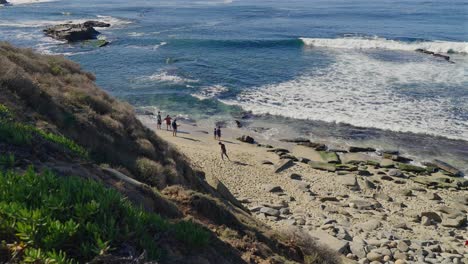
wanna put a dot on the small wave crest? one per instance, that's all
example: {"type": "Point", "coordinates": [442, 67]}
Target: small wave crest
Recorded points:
{"type": "Point", "coordinates": [387, 44]}
{"type": "Point", "coordinates": [210, 92]}
{"type": "Point", "coordinates": [166, 77]}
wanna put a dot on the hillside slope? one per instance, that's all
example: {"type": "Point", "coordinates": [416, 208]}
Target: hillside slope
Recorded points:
{"type": "Point", "coordinates": [82, 180]}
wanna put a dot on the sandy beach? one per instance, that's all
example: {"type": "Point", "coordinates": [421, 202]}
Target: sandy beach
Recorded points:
{"type": "Point", "coordinates": [368, 214]}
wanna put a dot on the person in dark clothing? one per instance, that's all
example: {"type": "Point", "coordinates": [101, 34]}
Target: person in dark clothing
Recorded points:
{"type": "Point", "coordinates": [159, 120]}
{"type": "Point", "coordinates": [168, 122]}
{"type": "Point", "coordinates": [215, 133]}
{"type": "Point", "coordinates": [223, 151]}
{"type": "Point", "coordinates": [218, 133]}
{"type": "Point", "coordinates": [174, 128]}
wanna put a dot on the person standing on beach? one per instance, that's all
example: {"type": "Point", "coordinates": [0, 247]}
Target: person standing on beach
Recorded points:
{"type": "Point", "coordinates": [215, 133]}
{"type": "Point", "coordinates": [168, 122]}
{"type": "Point", "coordinates": [218, 133]}
{"type": "Point", "coordinates": [174, 128]}
{"type": "Point", "coordinates": [159, 120]}
{"type": "Point", "coordinates": [223, 151]}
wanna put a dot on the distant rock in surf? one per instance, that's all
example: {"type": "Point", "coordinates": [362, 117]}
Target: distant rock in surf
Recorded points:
{"type": "Point", "coordinates": [445, 57]}
{"type": "Point", "coordinates": [76, 32]}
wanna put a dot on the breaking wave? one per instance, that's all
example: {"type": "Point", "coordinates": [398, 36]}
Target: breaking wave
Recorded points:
{"type": "Point", "coordinates": [387, 44]}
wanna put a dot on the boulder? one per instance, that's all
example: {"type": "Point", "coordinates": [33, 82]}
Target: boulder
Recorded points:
{"type": "Point", "coordinates": [322, 166]}
{"type": "Point", "coordinates": [272, 188]}
{"type": "Point", "coordinates": [447, 167]}
{"type": "Point", "coordinates": [374, 256]}
{"type": "Point", "coordinates": [364, 204]}
{"type": "Point", "coordinates": [402, 246]}
{"type": "Point", "coordinates": [357, 158]}
{"type": "Point", "coordinates": [358, 248]}
{"type": "Point", "coordinates": [333, 243]}
{"type": "Point", "coordinates": [395, 173]}
{"type": "Point", "coordinates": [410, 168]}
{"type": "Point", "coordinates": [296, 140]}
{"type": "Point", "coordinates": [267, 162]}
{"type": "Point", "coordinates": [457, 222]}
{"type": "Point", "coordinates": [369, 225]}
{"type": "Point", "coordinates": [382, 196]}
{"type": "Point", "coordinates": [284, 165]}
{"type": "Point", "coordinates": [387, 163]}
{"type": "Point", "coordinates": [329, 157]}
{"type": "Point", "coordinates": [316, 146]}
{"type": "Point", "coordinates": [432, 216]}
{"type": "Point", "coordinates": [75, 32]}
{"type": "Point", "coordinates": [246, 139]}
{"type": "Point", "coordinates": [270, 211]}
{"type": "Point", "coordinates": [224, 192]}
{"type": "Point", "coordinates": [360, 149]}
{"type": "Point", "coordinates": [295, 176]}
{"type": "Point", "coordinates": [369, 184]}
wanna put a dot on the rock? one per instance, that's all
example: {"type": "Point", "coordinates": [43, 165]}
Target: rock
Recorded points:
{"type": "Point", "coordinates": [447, 167]}
{"type": "Point", "coordinates": [302, 186]}
{"type": "Point", "coordinates": [406, 192]}
{"type": "Point", "coordinates": [387, 163]}
{"type": "Point", "coordinates": [400, 261]}
{"type": "Point", "coordinates": [329, 157]}
{"type": "Point", "coordinates": [272, 188]}
{"type": "Point", "coordinates": [369, 184]}
{"type": "Point", "coordinates": [386, 178]}
{"type": "Point", "coordinates": [316, 146]}
{"type": "Point", "coordinates": [442, 181]}
{"type": "Point", "coordinates": [457, 222]}
{"type": "Point", "coordinates": [360, 149]}
{"type": "Point", "coordinates": [346, 167]}
{"type": "Point", "coordinates": [290, 222]}
{"type": "Point", "coordinates": [288, 156]}
{"type": "Point", "coordinates": [365, 205]}
{"type": "Point", "coordinates": [432, 216]}
{"type": "Point", "coordinates": [278, 150]}
{"type": "Point", "coordinates": [395, 173]}
{"type": "Point", "coordinates": [284, 165]}
{"type": "Point", "coordinates": [400, 255]}
{"type": "Point", "coordinates": [4, 2]}
{"type": "Point", "coordinates": [246, 139]}
{"type": "Point", "coordinates": [322, 166]}
{"type": "Point", "coordinates": [349, 181]}
{"type": "Point", "coordinates": [295, 176]}
{"type": "Point", "coordinates": [374, 256]}
{"type": "Point", "coordinates": [358, 248]}
{"type": "Point", "coordinates": [434, 196]}
{"type": "Point", "coordinates": [296, 140]}
{"type": "Point", "coordinates": [285, 211]}
{"type": "Point", "coordinates": [425, 221]}
{"type": "Point", "coordinates": [382, 196]}
{"type": "Point", "coordinates": [269, 211]}
{"type": "Point", "coordinates": [224, 191]}
{"type": "Point", "coordinates": [403, 246]}
{"type": "Point", "coordinates": [267, 162]}
{"type": "Point", "coordinates": [328, 199]}
{"type": "Point", "coordinates": [369, 225]}
{"type": "Point", "coordinates": [343, 234]}
{"type": "Point", "coordinates": [333, 243]}
{"type": "Point", "coordinates": [75, 32]}
{"type": "Point", "coordinates": [410, 168]}
{"type": "Point", "coordinates": [300, 221]}
{"type": "Point", "coordinates": [363, 172]}
{"type": "Point", "coordinates": [357, 158]}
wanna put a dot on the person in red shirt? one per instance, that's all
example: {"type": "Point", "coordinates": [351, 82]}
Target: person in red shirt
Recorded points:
{"type": "Point", "coordinates": [168, 122]}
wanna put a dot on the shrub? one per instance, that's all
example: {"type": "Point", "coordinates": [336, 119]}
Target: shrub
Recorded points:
{"type": "Point", "coordinates": [151, 172]}
{"type": "Point", "coordinates": [15, 133]}
{"type": "Point", "coordinates": [66, 219]}
{"type": "Point", "coordinates": [7, 161]}
{"type": "Point", "coordinates": [65, 142]}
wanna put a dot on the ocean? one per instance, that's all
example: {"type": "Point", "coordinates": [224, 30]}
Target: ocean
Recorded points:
{"type": "Point", "coordinates": [344, 72]}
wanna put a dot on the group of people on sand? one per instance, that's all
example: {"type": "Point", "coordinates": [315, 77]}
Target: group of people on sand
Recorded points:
{"type": "Point", "coordinates": [171, 124]}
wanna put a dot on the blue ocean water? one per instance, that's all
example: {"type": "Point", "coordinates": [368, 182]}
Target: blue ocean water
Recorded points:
{"type": "Point", "coordinates": [333, 70]}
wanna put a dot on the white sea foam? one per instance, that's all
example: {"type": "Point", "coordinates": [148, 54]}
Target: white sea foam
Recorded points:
{"type": "Point", "coordinates": [362, 91]}
{"type": "Point", "coordinates": [210, 92]}
{"type": "Point", "coordinates": [382, 43]}
{"type": "Point", "coordinates": [164, 76]}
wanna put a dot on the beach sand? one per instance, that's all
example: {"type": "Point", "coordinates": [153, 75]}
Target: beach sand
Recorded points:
{"type": "Point", "coordinates": [344, 207]}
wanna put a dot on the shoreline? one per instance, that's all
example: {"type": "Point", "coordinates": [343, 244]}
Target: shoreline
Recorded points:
{"type": "Point", "coordinates": [363, 213]}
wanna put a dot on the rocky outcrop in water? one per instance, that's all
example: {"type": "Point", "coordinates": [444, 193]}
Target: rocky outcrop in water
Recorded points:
{"type": "Point", "coordinates": [76, 32]}
{"type": "Point", "coordinates": [445, 57]}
